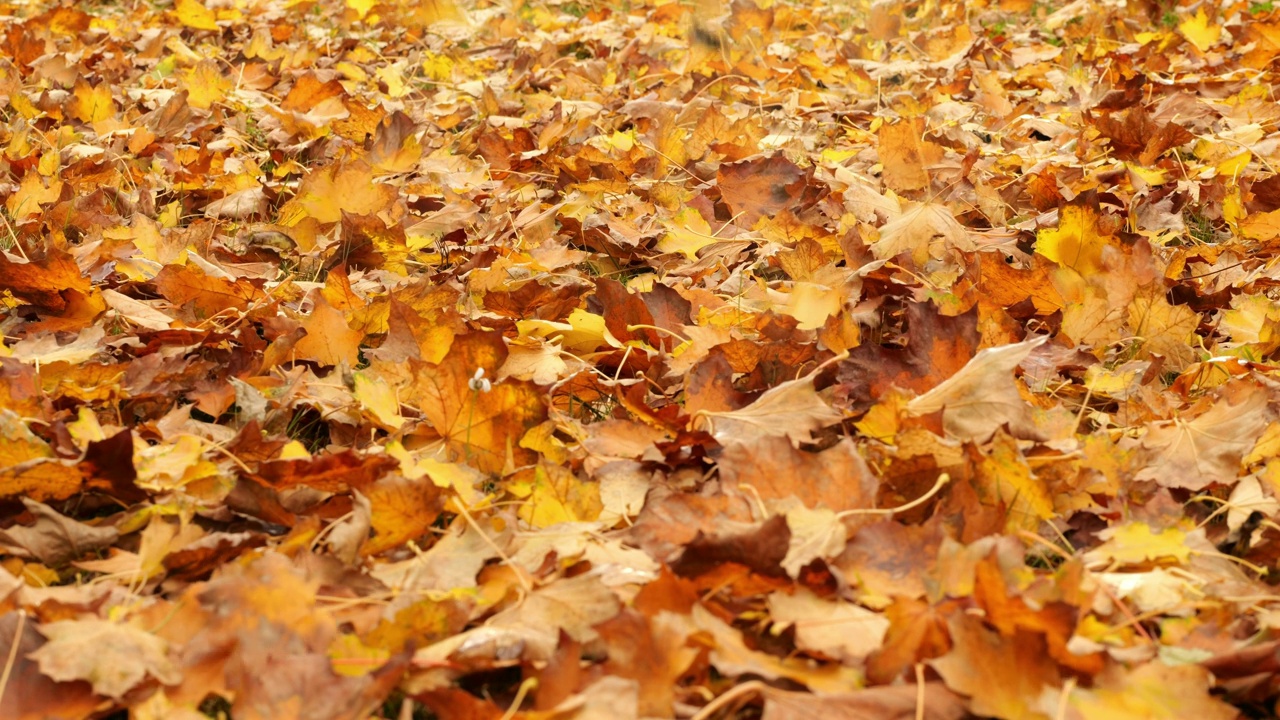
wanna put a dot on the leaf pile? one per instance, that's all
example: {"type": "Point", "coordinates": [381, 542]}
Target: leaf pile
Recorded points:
{"type": "Point", "coordinates": [577, 359]}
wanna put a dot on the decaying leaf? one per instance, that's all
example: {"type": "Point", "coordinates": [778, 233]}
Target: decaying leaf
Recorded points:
{"type": "Point", "coordinates": [1207, 449]}
{"type": "Point", "coordinates": [791, 409]}
{"type": "Point", "coordinates": [983, 395]}
{"type": "Point", "coordinates": [123, 656]}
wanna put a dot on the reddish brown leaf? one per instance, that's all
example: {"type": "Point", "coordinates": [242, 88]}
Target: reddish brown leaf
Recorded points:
{"type": "Point", "coordinates": [482, 425]}
{"type": "Point", "coordinates": [330, 472]}
{"type": "Point", "coordinates": [757, 188]}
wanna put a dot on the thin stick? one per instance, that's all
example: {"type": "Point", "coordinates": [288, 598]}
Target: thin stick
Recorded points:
{"type": "Point", "coordinates": [919, 691]}
{"type": "Point", "coordinates": [525, 687]}
{"type": "Point", "coordinates": [13, 652]}
{"type": "Point", "coordinates": [672, 333]}
{"type": "Point", "coordinates": [734, 693]}
{"type": "Point", "coordinates": [943, 479]}
{"type": "Point", "coordinates": [506, 559]}
{"type": "Point", "coordinates": [1065, 698]}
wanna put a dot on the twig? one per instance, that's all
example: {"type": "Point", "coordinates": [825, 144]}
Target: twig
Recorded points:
{"type": "Point", "coordinates": [13, 652]}
{"type": "Point", "coordinates": [738, 691]}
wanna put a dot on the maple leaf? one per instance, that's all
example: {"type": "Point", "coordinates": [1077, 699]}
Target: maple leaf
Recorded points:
{"type": "Point", "coordinates": [205, 84]}
{"type": "Point", "coordinates": [1079, 239]}
{"type": "Point", "coordinates": [90, 104]}
{"type": "Point", "coordinates": [34, 193]}
{"type": "Point", "coordinates": [1153, 689]}
{"type": "Point", "coordinates": [1003, 677]}
{"type": "Point", "coordinates": [839, 629]}
{"type": "Point", "coordinates": [937, 701]}
{"type": "Point", "coordinates": [553, 495]}
{"type": "Point", "coordinates": [687, 233]}
{"type": "Point", "coordinates": [764, 186]}
{"type": "Point", "coordinates": [1196, 453]}
{"type": "Point", "coordinates": [924, 231]}
{"type": "Point", "coordinates": [906, 155]}
{"type": "Point", "coordinates": [123, 657]}
{"type": "Point", "coordinates": [936, 348]}
{"type": "Point", "coordinates": [836, 478]}
{"type": "Point", "coordinates": [791, 409]}
{"type": "Point", "coordinates": [396, 148]}
{"type": "Point", "coordinates": [812, 535]}
{"type": "Point", "coordinates": [53, 285]}
{"type": "Point", "coordinates": [204, 295]}
{"type": "Point", "coordinates": [1136, 544]}
{"type": "Point", "coordinates": [400, 510]}
{"type": "Point", "coordinates": [653, 651]}
{"type": "Point", "coordinates": [40, 479]}
{"type": "Point", "coordinates": [330, 340]}
{"type": "Point", "coordinates": [55, 538]}
{"type": "Point", "coordinates": [329, 192]}
{"type": "Point", "coordinates": [731, 656]}
{"type": "Point", "coordinates": [1005, 477]}
{"type": "Point", "coordinates": [982, 395]}
{"type": "Point", "coordinates": [482, 425]}
{"type": "Point", "coordinates": [42, 696]}
{"type": "Point", "coordinates": [195, 15]}
{"type": "Point", "coordinates": [1199, 31]}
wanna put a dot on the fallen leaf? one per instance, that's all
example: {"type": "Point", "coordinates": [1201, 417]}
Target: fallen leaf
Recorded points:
{"type": "Point", "coordinates": [1153, 689]}
{"type": "Point", "coordinates": [836, 478]}
{"type": "Point", "coordinates": [1003, 677]}
{"type": "Point", "coordinates": [759, 187]}
{"type": "Point", "coordinates": [194, 15]}
{"type": "Point", "coordinates": [330, 339]}
{"type": "Point", "coordinates": [336, 189]}
{"type": "Point", "coordinates": [933, 702]}
{"type": "Point", "coordinates": [1078, 241]}
{"type": "Point", "coordinates": [906, 155]}
{"type": "Point", "coordinates": [731, 656]}
{"type": "Point", "coordinates": [481, 426]}
{"type": "Point", "coordinates": [123, 656]}
{"type": "Point", "coordinates": [1136, 544]}
{"type": "Point", "coordinates": [839, 629]}
{"type": "Point", "coordinates": [983, 395]}
{"type": "Point", "coordinates": [55, 538]}
{"type": "Point", "coordinates": [791, 409]}
{"type": "Point", "coordinates": [1207, 449]}
{"type": "Point", "coordinates": [1199, 31]}
{"type": "Point", "coordinates": [42, 697]}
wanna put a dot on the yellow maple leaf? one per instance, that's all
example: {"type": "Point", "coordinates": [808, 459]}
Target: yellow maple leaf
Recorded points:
{"type": "Point", "coordinates": [1261, 226]}
{"type": "Point", "coordinates": [352, 658]}
{"type": "Point", "coordinates": [1136, 544]}
{"type": "Point", "coordinates": [205, 84]}
{"type": "Point", "coordinates": [1155, 689]}
{"type": "Point", "coordinates": [1077, 242]}
{"type": "Point", "coordinates": [329, 191]}
{"type": "Point", "coordinates": [329, 339]}
{"type": "Point", "coordinates": [812, 304]}
{"type": "Point", "coordinates": [379, 399]}
{"type": "Point", "coordinates": [1165, 329]}
{"type": "Point", "coordinates": [195, 15]}
{"type": "Point", "coordinates": [400, 510]}
{"type": "Point", "coordinates": [555, 495]}
{"type": "Point", "coordinates": [1199, 31]}
{"type": "Point", "coordinates": [1004, 475]}
{"type": "Point", "coordinates": [362, 7]}
{"type": "Point", "coordinates": [90, 104]}
{"type": "Point", "coordinates": [687, 233]}
{"type": "Point", "coordinates": [31, 194]}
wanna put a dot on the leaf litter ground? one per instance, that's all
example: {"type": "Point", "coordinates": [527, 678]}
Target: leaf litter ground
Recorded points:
{"type": "Point", "coordinates": [595, 360]}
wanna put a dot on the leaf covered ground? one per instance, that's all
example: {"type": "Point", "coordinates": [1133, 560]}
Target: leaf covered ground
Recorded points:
{"type": "Point", "coordinates": [639, 360]}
